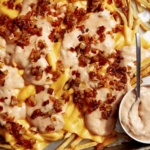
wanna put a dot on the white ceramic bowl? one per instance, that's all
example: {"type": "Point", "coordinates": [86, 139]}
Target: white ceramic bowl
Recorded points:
{"type": "Point", "coordinates": [120, 119]}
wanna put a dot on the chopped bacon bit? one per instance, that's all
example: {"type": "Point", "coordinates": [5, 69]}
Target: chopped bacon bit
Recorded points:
{"type": "Point", "coordinates": [39, 89]}
{"type": "Point", "coordinates": [56, 75]}
{"type": "Point", "coordinates": [2, 99]}
{"type": "Point", "coordinates": [26, 143]}
{"type": "Point", "coordinates": [45, 103]}
{"type": "Point", "coordinates": [57, 22]}
{"type": "Point", "coordinates": [15, 129]}
{"type": "Point", "coordinates": [56, 34]}
{"type": "Point", "coordinates": [72, 18]}
{"type": "Point", "coordinates": [101, 30]}
{"type": "Point", "coordinates": [81, 27]}
{"type": "Point", "coordinates": [106, 114]}
{"type": "Point", "coordinates": [4, 116]}
{"type": "Point", "coordinates": [117, 17]}
{"type": "Point", "coordinates": [102, 37]}
{"type": "Point", "coordinates": [37, 72]}
{"type": "Point", "coordinates": [31, 101]}
{"type": "Point", "coordinates": [27, 25]}
{"type": "Point", "coordinates": [9, 4]}
{"type": "Point", "coordinates": [99, 58]}
{"type": "Point", "coordinates": [43, 7]}
{"type": "Point", "coordinates": [41, 44]}
{"type": "Point", "coordinates": [23, 40]}
{"type": "Point", "coordinates": [100, 84]}
{"type": "Point", "coordinates": [50, 91]}
{"type": "Point", "coordinates": [80, 37]}
{"type": "Point", "coordinates": [92, 75]}
{"type": "Point", "coordinates": [79, 13]}
{"type": "Point", "coordinates": [76, 73]}
{"type": "Point", "coordinates": [48, 69]}
{"type": "Point", "coordinates": [36, 113]}
{"type": "Point", "coordinates": [109, 2]}
{"type": "Point", "coordinates": [1, 108]}
{"type": "Point", "coordinates": [94, 6]}
{"type": "Point", "coordinates": [50, 128]}
{"type": "Point", "coordinates": [60, 66]}
{"type": "Point", "coordinates": [118, 3]}
{"type": "Point", "coordinates": [124, 79]}
{"type": "Point", "coordinates": [58, 105]}
{"type": "Point", "coordinates": [90, 93]}
{"type": "Point", "coordinates": [65, 96]}
{"type": "Point", "coordinates": [52, 36]}
{"type": "Point", "coordinates": [93, 105]}
{"type": "Point", "coordinates": [117, 28]}
{"type": "Point", "coordinates": [110, 99]}
{"type": "Point", "coordinates": [83, 60]}
{"type": "Point", "coordinates": [35, 55]}
{"type": "Point", "coordinates": [18, 7]}
{"type": "Point", "coordinates": [13, 101]}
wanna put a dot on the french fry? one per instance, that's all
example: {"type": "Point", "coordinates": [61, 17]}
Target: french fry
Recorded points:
{"type": "Point", "coordinates": [144, 64]}
{"type": "Point", "coordinates": [130, 15]}
{"type": "Point", "coordinates": [122, 16]}
{"type": "Point", "coordinates": [67, 135]}
{"type": "Point", "coordinates": [66, 142]}
{"type": "Point", "coordinates": [145, 3]}
{"type": "Point", "coordinates": [139, 7]}
{"type": "Point", "coordinates": [108, 141]}
{"type": "Point", "coordinates": [86, 145]}
{"type": "Point", "coordinates": [125, 7]}
{"type": "Point", "coordinates": [5, 146]}
{"type": "Point", "coordinates": [145, 72]}
{"type": "Point", "coordinates": [76, 142]}
{"type": "Point", "coordinates": [136, 24]}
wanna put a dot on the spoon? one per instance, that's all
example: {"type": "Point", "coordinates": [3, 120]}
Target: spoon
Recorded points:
{"type": "Point", "coordinates": [138, 64]}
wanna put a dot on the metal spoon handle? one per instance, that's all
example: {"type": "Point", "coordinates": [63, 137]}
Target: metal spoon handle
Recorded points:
{"type": "Point", "coordinates": [138, 63]}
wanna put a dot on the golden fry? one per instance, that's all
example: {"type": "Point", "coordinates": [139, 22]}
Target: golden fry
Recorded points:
{"type": "Point", "coordinates": [145, 3]}
{"type": "Point", "coordinates": [76, 142]}
{"type": "Point", "coordinates": [108, 141]}
{"type": "Point", "coordinates": [66, 142]}
{"type": "Point", "coordinates": [5, 146]}
{"type": "Point", "coordinates": [86, 145]}
{"type": "Point", "coordinates": [145, 72]}
{"type": "Point", "coordinates": [130, 15]}
{"type": "Point", "coordinates": [139, 7]}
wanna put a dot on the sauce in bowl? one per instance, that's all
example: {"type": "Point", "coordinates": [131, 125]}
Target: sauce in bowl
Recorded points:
{"type": "Point", "coordinates": [134, 115]}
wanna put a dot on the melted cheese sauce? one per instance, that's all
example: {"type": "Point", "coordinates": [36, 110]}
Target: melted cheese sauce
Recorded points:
{"type": "Point", "coordinates": [135, 120]}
